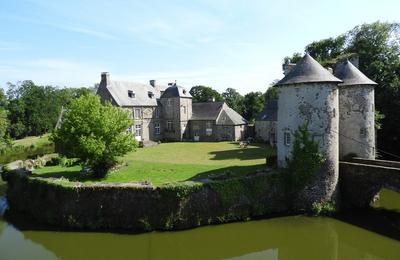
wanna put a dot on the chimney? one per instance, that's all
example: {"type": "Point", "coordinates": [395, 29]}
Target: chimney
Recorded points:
{"type": "Point", "coordinates": [153, 83]}
{"type": "Point", "coordinates": [105, 77]}
{"type": "Point", "coordinates": [211, 99]}
{"type": "Point", "coordinates": [287, 67]}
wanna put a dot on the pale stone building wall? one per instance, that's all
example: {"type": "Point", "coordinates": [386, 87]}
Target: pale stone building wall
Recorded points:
{"type": "Point", "coordinates": [357, 123]}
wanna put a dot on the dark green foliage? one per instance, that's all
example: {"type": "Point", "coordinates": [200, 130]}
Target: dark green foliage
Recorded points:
{"type": "Point", "coordinates": [378, 47]}
{"type": "Point", "coordinates": [234, 100]}
{"type": "Point", "coordinates": [305, 162]}
{"type": "Point", "coordinates": [204, 94]}
{"type": "Point", "coordinates": [34, 110]}
{"type": "Point", "coordinates": [253, 104]}
{"type": "Point", "coordinates": [94, 133]}
{"type": "Point", "coordinates": [272, 93]}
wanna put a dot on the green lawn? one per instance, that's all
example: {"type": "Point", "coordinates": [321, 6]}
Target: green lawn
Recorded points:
{"type": "Point", "coordinates": [33, 140]}
{"type": "Point", "coordinates": [171, 162]}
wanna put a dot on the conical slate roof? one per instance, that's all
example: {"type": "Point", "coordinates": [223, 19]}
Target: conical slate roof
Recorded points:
{"type": "Point", "coordinates": [308, 70]}
{"type": "Point", "coordinates": [351, 75]}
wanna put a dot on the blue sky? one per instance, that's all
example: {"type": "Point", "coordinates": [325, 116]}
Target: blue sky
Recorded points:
{"type": "Point", "coordinates": [222, 44]}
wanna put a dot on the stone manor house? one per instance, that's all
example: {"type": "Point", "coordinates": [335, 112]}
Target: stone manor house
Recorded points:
{"type": "Point", "coordinates": [168, 113]}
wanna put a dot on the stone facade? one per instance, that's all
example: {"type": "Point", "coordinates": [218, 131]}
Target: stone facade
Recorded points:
{"type": "Point", "coordinates": [167, 113]}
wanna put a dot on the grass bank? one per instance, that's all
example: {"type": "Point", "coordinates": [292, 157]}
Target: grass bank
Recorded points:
{"type": "Point", "coordinates": [174, 162]}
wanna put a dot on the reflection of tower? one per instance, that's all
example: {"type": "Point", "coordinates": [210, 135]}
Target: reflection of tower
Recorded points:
{"type": "Point", "coordinates": [177, 110]}
{"type": "Point", "coordinates": [356, 112]}
{"type": "Point", "coordinates": [309, 93]}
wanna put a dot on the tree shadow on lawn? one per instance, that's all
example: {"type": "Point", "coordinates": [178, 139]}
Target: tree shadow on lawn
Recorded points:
{"type": "Point", "coordinates": [228, 172]}
{"type": "Point", "coordinates": [250, 153]}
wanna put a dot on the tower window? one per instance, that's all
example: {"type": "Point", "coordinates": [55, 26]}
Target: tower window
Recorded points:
{"type": "Point", "coordinates": [169, 103]}
{"type": "Point", "coordinates": [157, 128]}
{"type": "Point", "coordinates": [287, 138]}
{"type": "Point", "coordinates": [169, 125]}
{"type": "Point", "coordinates": [363, 132]}
{"type": "Point", "coordinates": [137, 113]}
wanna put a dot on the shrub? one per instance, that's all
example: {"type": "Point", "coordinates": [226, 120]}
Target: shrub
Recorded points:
{"type": "Point", "coordinates": [305, 162]}
{"type": "Point", "coordinates": [323, 208]}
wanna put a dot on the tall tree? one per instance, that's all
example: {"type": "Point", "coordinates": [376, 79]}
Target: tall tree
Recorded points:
{"type": "Point", "coordinates": [253, 104]}
{"type": "Point", "coordinates": [4, 140]}
{"type": "Point", "coordinates": [204, 94]}
{"type": "Point", "coordinates": [233, 99]}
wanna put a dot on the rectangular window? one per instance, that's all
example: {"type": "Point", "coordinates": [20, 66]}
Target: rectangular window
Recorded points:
{"type": "Point", "coordinates": [138, 130]}
{"type": "Point", "coordinates": [131, 94]}
{"type": "Point", "coordinates": [157, 113]}
{"type": "Point", "coordinates": [169, 102]}
{"type": "Point", "coordinates": [363, 132]}
{"type": "Point", "coordinates": [184, 109]}
{"type": "Point", "coordinates": [169, 125]}
{"type": "Point", "coordinates": [287, 138]}
{"type": "Point", "coordinates": [137, 113]}
{"type": "Point", "coordinates": [150, 94]}
{"type": "Point", "coordinates": [208, 128]}
{"type": "Point", "coordinates": [157, 128]}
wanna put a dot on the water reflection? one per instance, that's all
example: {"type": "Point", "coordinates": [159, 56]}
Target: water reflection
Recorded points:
{"type": "Point", "coordinates": [280, 238]}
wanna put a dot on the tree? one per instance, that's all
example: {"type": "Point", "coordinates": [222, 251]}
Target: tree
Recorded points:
{"type": "Point", "coordinates": [253, 104]}
{"type": "Point", "coordinates": [94, 133]}
{"type": "Point", "coordinates": [272, 93]}
{"type": "Point", "coordinates": [4, 140]}
{"type": "Point", "coordinates": [204, 94]}
{"type": "Point", "coordinates": [233, 99]}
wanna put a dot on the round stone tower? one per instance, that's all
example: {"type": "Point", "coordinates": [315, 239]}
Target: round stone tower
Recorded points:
{"type": "Point", "coordinates": [356, 112]}
{"type": "Point", "coordinates": [309, 93]}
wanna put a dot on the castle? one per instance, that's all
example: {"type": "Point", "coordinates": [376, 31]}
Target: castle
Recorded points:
{"type": "Point", "coordinates": [339, 110]}
{"type": "Point", "coordinates": [168, 113]}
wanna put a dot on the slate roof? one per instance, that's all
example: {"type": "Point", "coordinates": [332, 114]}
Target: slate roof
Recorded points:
{"type": "Point", "coordinates": [206, 110]}
{"type": "Point", "coordinates": [176, 91]}
{"type": "Point", "coordinates": [211, 111]}
{"type": "Point", "coordinates": [270, 112]}
{"type": "Point", "coordinates": [308, 70]}
{"type": "Point", "coordinates": [351, 75]}
{"type": "Point", "coordinates": [119, 91]}
{"type": "Point", "coordinates": [235, 117]}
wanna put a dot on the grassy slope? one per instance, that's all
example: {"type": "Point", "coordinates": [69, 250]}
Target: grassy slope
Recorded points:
{"type": "Point", "coordinates": [33, 140]}
{"type": "Point", "coordinates": [177, 162]}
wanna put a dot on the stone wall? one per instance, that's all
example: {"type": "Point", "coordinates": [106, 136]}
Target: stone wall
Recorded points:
{"type": "Point", "coordinates": [357, 121]}
{"type": "Point", "coordinates": [361, 181]}
{"type": "Point", "coordinates": [317, 104]}
{"type": "Point", "coordinates": [264, 129]}
{"type": "Point", "coordinates": [144, 208]}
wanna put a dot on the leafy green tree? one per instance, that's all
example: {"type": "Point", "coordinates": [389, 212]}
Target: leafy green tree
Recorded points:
{"type": "Point", "coordinates": [94, 133]}
{"type": "Point", "coordinates": [233, 99]}
{"type": "Point", "coordinates": [253, 104]}
{"type": "Point", "coordinates": [4, 140]}
{"type": "Point", "coordinates": [272, 93]}
{"type": "Point", "coordinates": [204, 94]}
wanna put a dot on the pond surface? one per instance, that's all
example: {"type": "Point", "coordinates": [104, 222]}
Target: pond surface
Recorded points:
{"type": "Point", "coordinates": [294, 237]}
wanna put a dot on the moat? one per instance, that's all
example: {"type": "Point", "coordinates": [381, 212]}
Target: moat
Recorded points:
{"type": "Point", "coordinates": [294, 237]}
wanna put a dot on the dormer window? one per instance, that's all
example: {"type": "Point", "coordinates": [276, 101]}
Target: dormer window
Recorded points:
{"type": "Point", "coordinates": [150, 94]}
{"type": "Point", "coordinates": [184, 91]}
{"type": "Point", "coordinates": [131, 94]}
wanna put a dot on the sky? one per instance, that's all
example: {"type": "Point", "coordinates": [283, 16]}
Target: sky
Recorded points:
{"type": "Point", "coordinates": [218, 43]}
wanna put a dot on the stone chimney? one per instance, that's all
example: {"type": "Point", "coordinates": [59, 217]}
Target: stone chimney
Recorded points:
{"type": "Point", "coordinates": [105, 77]}
{"type": "Point", "coordinates": [287, 67]}
{"type": "Point", "coordinates": [153, 83]}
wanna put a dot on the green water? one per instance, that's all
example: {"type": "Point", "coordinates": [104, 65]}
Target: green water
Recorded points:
{"type": "Point", "coordinates": [296, 237]}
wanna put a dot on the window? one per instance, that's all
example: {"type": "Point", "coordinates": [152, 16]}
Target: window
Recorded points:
{"type": "Point", "coordinates": [169, 102]}
{"type": "Point", "coordinates": [208, 128]}
{"type": "Point", "coordinates": [138, 130]}
{"type": "Point", "coordinates": [131, 94]}
{"type": "Point", "coordinates": [137, 113]}
{"type": "Point", "coordinates": [157, 128]}
{"type": "Point", "coordinates": [287, 138]}
{"type": "Point", "coordinates": [169, 125]}
{"type": "Point", "coordinates": [150, 94]}
{"type": "Point", "coordinates": [184, 109]}
{"type": "Point", "coordinates": [157, 113]}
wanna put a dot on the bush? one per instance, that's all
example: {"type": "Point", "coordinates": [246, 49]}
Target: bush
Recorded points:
{"type": "Point", "coordinates": [323, 208]}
